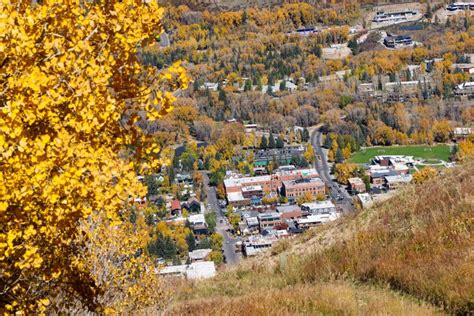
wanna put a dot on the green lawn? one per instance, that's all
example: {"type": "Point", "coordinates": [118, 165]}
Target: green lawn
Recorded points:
{"type": "Point", "coordinates": [427, 152]}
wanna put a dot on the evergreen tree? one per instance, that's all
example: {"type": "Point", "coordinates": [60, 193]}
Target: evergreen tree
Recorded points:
{"type": "Point", "coordinates": [279, 142]}
{"type": "Point", "coordinates": [263, 142]}
{"type": "Point", "coordinates": [222, 96]}
{"type": "Point", "coordinates": [191, 241]}
{"type": "Point", "coordinates": [305, 135]}
{"type": "Point", "coordinates": [429, 12]}
{"type": "Point", "coordinates": [271, 141]}
{"type": "Point", "coordinates": [248, 85]}
{"type": "Point", "coordinates": [354, 46]}
{"type": "Point", "coordinates": [328, 141]}
{"type": "Point", "coordinates": [339, 156]}
{"type": "Point", "coordinates": [269, 90]}
{"type": "Point", "coordinates": [283, 85]}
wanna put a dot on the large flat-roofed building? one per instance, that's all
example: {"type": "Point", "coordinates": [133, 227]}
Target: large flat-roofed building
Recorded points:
{"type": "Point", "coordinates": [236, 184]}
{"type": "Point", "coordinates": [255, 244]}
{"type": "Point", "coordinates": [314, 220]}
{"type": "Point", "coordinates": [321, 207]}
{"type": "Point", "coordinates": [395, 182]}
{"type": "Point", "coordinates": [193, 271]}
{"type": "Point", "coordinates": [298, 188]}
{"type": "Point", "coordinates": [394, 16]}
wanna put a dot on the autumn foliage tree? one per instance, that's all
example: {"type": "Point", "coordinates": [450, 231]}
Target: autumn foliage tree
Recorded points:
{"type": "Point", "coordinates": [73, 95]}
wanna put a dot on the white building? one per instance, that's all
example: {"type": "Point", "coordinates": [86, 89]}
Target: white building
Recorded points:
{"type": "Point", "coordinates": [317, 219]}
{"type": "Point", "coordinates": [193, 271]}
{"type": "Point", "coordinates": [197, 219]}
{"type": "Point", "coordinates": [365, 200]}
{"type": "Point", "coordinates": [199, 254]}
{"type": "Point", "coordinates": [319, 207]}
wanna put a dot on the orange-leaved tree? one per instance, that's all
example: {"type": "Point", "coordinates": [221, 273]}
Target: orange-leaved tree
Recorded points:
{"type": "Point", "coordinates": [73, 96]}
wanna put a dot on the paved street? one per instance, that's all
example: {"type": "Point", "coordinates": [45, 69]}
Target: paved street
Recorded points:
{"type": "Point", "coordinates": [323, 168]}
{"type": "Point", "coordinates": [231, 256]}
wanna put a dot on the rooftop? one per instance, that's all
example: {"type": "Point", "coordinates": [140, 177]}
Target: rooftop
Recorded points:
{"type": "Point", "coordinates": [252, 188]}
{"type": "Point", "coordinates": [199, 254]}
{"type": "Point", "coordinates": [319, 218]}
{"type": "Point", "coordinates": [356, 181]}
{"type": "Point", "coordinates": [303, 181]}
{"type": "Point", "coordinates": [398, 178]}
{"type": "Point", "coordinates": [269, 215]}
{"type": "Point", "coordinates": [319, 205]}
{"type": "Point", "coordinates": [288, 208]}
{"type": "Point", "coordinates": [235, 197]}
{"type": "Point", "coordinates": [196, 218]}
{"type": "Point", "coordinates": [232, 182]}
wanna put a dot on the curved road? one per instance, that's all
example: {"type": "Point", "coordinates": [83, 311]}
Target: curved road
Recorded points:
{"type": "Point", "coordinates": [344, 200]}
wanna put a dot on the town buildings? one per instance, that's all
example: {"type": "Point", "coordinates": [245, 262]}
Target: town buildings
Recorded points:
{"type": "Point", "coordinates": [249, 190]}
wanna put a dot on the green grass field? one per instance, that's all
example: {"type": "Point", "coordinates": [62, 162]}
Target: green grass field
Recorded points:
{"type": "Point", "coordinates": [426, 152]}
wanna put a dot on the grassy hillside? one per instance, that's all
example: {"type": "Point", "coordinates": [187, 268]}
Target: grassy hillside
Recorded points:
{"type": "Point", "coordinates": [402, 257]}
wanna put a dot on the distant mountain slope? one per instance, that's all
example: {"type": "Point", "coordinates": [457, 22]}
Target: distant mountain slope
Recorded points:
{"type": "Point", "coordinates": [419, 243]}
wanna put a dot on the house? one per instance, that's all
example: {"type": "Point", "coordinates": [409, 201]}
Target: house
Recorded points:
{"type": "Point", "coordinates": [356, 185]}
{"type": "Point", "coordinates": [397, 181]}
{"type": "Point", "coordinates": [322, 207]}
{"type": "Point", "coordinates": [193, 205]}
{"type": "Point", "coordinates": [175, 207]}
{"type": "Point", "coordinates": [398, 41]}
{"type": "Point", "coordinates": [199, 224]}
{"type": "Point", "coordinates": [252, 223]}
{"type": "Point", "coordinates": [199, 254]}
{"type": "Point", "coordinates": [211, 86]}
{"type": "Point", "coordinates": [294, 189]}
{"type": "Point", "coordinates": [461, 133]}
{"type": "Point", "coordinates": [460, 6]}
{"type": "Point", "coordinates": [465, 89]}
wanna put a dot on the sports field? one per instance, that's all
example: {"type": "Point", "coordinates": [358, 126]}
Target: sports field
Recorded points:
{"type": "Point", "coordinates": [438, 152]}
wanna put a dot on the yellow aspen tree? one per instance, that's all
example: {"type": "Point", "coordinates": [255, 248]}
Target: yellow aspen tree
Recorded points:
{"type": "Point", "coordinates": [72, 96]}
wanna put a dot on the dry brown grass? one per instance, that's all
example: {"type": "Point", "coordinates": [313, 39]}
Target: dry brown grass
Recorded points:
{"type": "Point", "coordinates": [419, 242]}
{"type": "Point", "coordinates": [417, 246]}
{"type": "Point", "coordinates": [337, 298]}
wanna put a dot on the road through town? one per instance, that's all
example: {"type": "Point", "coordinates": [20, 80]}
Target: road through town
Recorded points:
{"type": "Point", "coordinates": [344, 200]}
{"type": "Point", "coordinates": [232, 257]}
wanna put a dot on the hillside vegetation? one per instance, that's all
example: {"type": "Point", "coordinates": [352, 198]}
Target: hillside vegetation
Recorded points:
{"type": "Point", "coordinates": [404, 256]}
